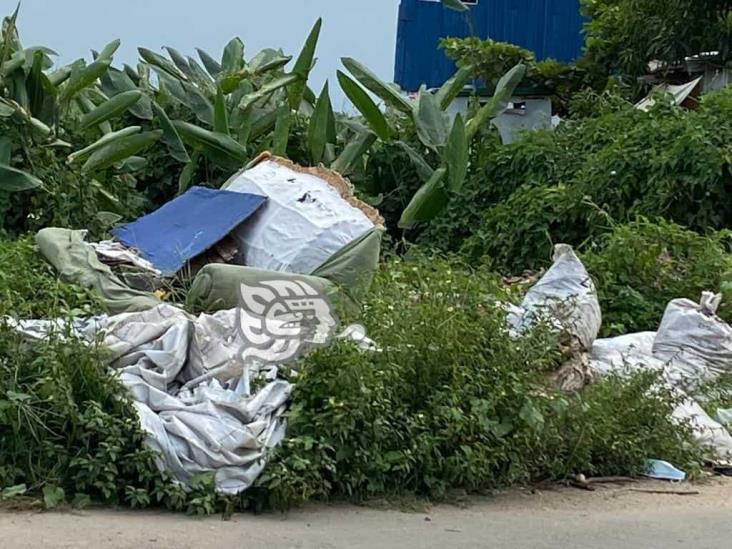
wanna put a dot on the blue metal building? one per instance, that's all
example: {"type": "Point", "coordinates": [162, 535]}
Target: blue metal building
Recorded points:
{"type": "Point", "coordinates": [549, 28]}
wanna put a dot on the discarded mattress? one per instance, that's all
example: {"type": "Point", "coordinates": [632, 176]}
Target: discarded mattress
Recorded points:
{"type": "Point", "coordinates": [310, 215]}
{"type": "Point", "coordinates": [187, 226]}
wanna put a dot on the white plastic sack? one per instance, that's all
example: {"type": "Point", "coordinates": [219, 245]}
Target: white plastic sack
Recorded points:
{"type": "Point", "coordinates": [624, 354]}
{"type": "Point", "coordinates": [707, 432]}
{"type": "Point", "coordinates": [565, 295]}
{"type": "Point", "coordinates": [304, 222]}
{"type": "Point", "coordinates": [694, 341]}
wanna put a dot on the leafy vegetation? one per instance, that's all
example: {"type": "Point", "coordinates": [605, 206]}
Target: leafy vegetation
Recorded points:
{"type": "Point", "coordinates": [640, 267]}
{"type": "Point", "coordinates": [487, 60]}
{"type": "Point", "coordinates": [572, 185]}
{"type": "Point", "coordinates": [93, 136]}
{"type": "Point", "coordinates": [438, 136]}
{"type": "Point", "coordinates": [450, 402]}
{"type": "Point", "coordinates": [30, 288]}
{"type": "Point", "coordinates": [625, 35]}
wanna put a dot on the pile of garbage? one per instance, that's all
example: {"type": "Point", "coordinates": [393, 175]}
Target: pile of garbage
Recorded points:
{"type": "Point", "coordinates": [271, 256]}
{"type": "Point", "coordinates": [692, 347]}
{"type": "Point", "coordinates": [272, 217]}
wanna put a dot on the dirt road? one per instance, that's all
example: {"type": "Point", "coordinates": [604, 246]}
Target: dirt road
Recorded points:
{"type": "Point", "coordinates": [568, 518]}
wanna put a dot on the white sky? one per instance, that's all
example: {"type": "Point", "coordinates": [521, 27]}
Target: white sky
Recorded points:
{"type": "Point", "coordinates": [364, 30]}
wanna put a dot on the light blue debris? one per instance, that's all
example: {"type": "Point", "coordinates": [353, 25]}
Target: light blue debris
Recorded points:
{"type": "Point", "coordinates": [663, 470]}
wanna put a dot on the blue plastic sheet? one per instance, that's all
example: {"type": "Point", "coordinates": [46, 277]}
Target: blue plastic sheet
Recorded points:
{"type": "Point", "coordinates": [187, 226]}
{"type": "Point", "coordinates": [663, 470]}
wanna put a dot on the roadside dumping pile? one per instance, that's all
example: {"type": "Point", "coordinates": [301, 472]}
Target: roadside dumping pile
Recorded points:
{"type": "Point", "coordinates": [268, 267]}
{"type": "Point", "coordinates": [211, 390]}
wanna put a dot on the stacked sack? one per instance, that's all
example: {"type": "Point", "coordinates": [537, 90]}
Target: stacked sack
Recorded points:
{"type": "Point", "coordinates": [692, 346]}
{"type": "Point", "coordinates": [565, 298]}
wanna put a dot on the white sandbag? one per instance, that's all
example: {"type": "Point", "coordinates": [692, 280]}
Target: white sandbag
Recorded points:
{"type": "Point", "coordinates": [707, 432]}
{"type": "Point", "coordinates": [694, 341]}
{"type": "Point", "coordinates": [304, 222]}
{"type": "Point", "coordinates": [624, 354]}
{"type": "Point", "coordinates": [566, 296]}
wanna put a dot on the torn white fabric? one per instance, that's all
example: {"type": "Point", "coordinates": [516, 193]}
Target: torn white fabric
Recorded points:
{"type": "Point", "coordinates": [565, 296]}
{"type": "Point", "coordinates": [304, 222]}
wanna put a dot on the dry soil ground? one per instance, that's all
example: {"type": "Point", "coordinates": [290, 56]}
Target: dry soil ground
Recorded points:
{"type": "Point", "coordinates": [613, 517]}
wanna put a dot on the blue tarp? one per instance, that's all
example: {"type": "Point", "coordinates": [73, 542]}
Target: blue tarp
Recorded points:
{"type": "Point", "coordinates": [187, 226]}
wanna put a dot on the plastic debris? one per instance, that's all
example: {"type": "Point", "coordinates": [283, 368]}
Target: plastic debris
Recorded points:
{"type": "Point", "coordinates": [663, 470]}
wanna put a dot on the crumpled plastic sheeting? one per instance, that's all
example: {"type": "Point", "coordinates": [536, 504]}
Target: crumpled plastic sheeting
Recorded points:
{"type": "Point", "coordinates": [114, 251]}
{"type": "Point", "coordinates": [566, 296]}
{"type": "Point", "coordinates": [222, 426]}
{"type": "Point", "coordinates": [212, 428]}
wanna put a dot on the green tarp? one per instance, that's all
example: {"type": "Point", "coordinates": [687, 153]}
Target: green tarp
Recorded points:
{"type": "Point", "coordinates": [216, 286]}
{"type": "Point", "coordinates": [343, 278]}
{"type": "Point", "coordinates": [353, 267]}
{"type": "Point", "coordinates": [77, 263]}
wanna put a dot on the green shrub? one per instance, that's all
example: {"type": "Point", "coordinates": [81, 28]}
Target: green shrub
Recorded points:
{"type": "Point", "coordinates": [490, 59]}
{"type": "Point", "coordinates": [520, 233]}
{"type": "Point", "coordinates": [640, 267]}
{"type": "Point", "coordinates": [451, 402]}
{"type": "Point", "coordinates": [29, 287]}
{"type": "Point", "coordinates": [567, 185]}
{"type": "Point", "coordinates": [611, 428]}
{"type": "Point", "coordinates": [67, 198]}
{"type": "Point", "coordinates": [62, 419]}
{"type": "Point", "coordinates": [625, 35]}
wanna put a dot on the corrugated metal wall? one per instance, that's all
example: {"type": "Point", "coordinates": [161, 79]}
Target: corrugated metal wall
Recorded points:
{"type": "Point", "coordinates": [549, 28]}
